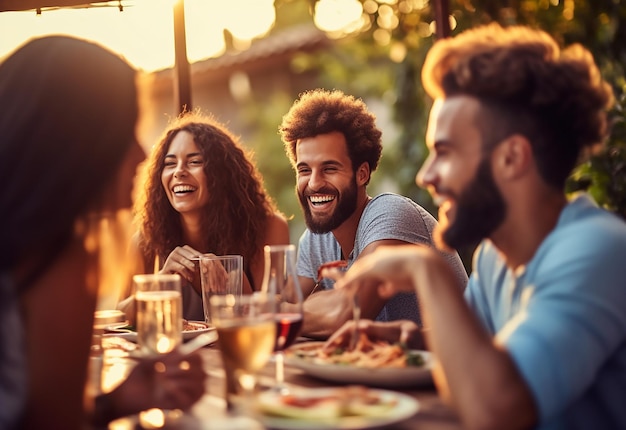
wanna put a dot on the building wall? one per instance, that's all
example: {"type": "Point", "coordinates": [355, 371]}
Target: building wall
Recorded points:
{"type": "Point", "coordinates": [221, 86]}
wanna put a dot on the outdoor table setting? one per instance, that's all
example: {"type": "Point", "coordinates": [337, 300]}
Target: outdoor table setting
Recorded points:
{"type": "Point", "coordinates": [421, 402]}
{"type": "Point", "coordinates": [416, 406]}
{"type": "Point", "coordinates": [261, 373]}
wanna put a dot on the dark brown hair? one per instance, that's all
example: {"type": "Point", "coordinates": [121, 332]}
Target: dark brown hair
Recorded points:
{"type": "Point", "coordinates": [234, 221]}
{"type": "Point", "coordinates": [322, 111]}
{"type": "Point", "coordinates": [527, 85]}
{"type": "Point", "coordinates": [69, 111]}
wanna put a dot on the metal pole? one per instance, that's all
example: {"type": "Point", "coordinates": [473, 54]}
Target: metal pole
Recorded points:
{"type": "Point", "coordinates": [442, 20]}
{"type": "Point", "coordinates": [182, 80]}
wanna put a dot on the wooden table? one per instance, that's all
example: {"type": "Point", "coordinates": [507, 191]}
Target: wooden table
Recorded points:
{"type": "Point", "coordinates": [209, 413]}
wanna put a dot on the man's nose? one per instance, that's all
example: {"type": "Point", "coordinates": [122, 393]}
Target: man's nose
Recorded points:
{"type": "Point", "coordinates": [426, 175]}
{"type": "Point", "coordinates": [316, 180]}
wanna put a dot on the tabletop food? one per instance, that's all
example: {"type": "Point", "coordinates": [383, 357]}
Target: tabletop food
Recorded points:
{"type": "Point", "coordinates": [367, 353]}
{"type": "Point", "coordinates": [193, 325]}
{"type": "Point", "coordinates": [354, 400]}
{"type": "Point", "coordinates": [191, 329]}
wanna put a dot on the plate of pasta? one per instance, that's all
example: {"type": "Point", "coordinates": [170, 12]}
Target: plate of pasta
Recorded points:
{"type": "Point", "coordinates": [376, 364]}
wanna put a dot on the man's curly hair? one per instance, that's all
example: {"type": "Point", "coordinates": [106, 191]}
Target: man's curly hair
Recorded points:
{"type": "Point", "coordinates": [235, 219]}
{"type": "Point", "coordinates": [528, 86]}
{"type": "Point", "coordinates": [323, 111]}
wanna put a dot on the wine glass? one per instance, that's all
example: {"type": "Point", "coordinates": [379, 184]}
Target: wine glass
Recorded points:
{"type": "Point", "coordinates": [280, 281]}
{"type": "Point", "coordinates": [246, 334]}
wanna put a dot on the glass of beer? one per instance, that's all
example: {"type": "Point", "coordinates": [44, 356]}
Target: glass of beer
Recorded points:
{"type": "Point", "coordinates": [159, 312]}
{"type": "Point", "coordinates": [246, 334]}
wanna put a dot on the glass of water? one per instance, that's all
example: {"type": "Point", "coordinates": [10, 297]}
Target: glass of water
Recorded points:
{"type": "Point", "coordinates": [159, 312]}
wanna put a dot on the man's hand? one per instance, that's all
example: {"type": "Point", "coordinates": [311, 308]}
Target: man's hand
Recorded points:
{"type": "Point", "coordinates": [402, 331]}
{"type": "Point", "coordinates": [388, 269]}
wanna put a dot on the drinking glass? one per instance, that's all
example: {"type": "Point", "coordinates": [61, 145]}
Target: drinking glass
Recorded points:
{"type": "Point", "coordinates": [280, 281]}
{"type": "Point", "coordinates": [246, 333]}
{"type": "Point", "coordinates": [159, 312]}
{"type": "Point", "coordinates": [219, 274]}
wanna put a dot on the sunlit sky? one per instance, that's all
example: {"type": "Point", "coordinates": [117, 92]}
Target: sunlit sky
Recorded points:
{"type": "Point", "coordinates": [144, 32]}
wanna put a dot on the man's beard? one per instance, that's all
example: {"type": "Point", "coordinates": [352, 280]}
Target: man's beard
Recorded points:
{"type": "Point", "coordinates": [480, 209]}
{"type": "Point", "coordinates": [346, 205]}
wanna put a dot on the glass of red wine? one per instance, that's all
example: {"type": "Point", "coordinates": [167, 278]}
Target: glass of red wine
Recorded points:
{"type": "Point", "coordinates": [280, 281]}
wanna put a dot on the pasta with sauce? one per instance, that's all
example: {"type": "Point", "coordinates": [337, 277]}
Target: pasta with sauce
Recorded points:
{"type": "Point", "coordinates": [368, 354]}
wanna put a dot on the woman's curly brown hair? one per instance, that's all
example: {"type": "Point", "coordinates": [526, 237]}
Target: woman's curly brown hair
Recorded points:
{"type": "Point", "coordinates": [322, 111]}
{"type": "Point", "coordinates": [527, 85]}
{"type": "Point", "coordinates": [235, 219]}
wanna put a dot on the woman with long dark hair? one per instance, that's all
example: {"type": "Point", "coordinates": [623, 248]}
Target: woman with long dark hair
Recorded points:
{"type": "Point", "coordinates": [68, 154]}
{"type": "Point", "coordinates": [203, 194]}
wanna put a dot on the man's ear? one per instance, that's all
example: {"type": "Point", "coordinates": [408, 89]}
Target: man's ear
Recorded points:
{"type": "Point", "coordinates": [363, 174]}
{"type": "Point", "coordinates": [512, 157]}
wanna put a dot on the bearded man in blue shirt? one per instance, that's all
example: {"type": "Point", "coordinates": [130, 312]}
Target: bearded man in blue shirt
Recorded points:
{"type": "Point", "coordinates": [538, 338]}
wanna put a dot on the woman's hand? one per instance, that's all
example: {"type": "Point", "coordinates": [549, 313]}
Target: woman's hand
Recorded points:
{"type": "Point", "coordinates": [182, 260]}
{"type": "Point", "coordinates": [402, 331]}
{"type": "Point", "coordinates": [170, 381]}
{"type": "Point", "coordinates": [215, 275]}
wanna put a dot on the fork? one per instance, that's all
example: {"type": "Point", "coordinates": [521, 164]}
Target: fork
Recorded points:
{"type": "Point", "coordinates": [339, 267]}
{"type": "Point", "coordinates": [356, 316]}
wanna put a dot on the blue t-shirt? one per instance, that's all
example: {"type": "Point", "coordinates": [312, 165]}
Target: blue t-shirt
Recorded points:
{"type": "Point", "coordinates": [387, 216]}
{"type": "Point", "coordinates": [562, 317]}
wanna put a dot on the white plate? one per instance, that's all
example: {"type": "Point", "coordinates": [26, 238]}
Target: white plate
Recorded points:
{"type": "Point", "coordinates": [391, 377]}
{"type": "Point", "coordinates": [404, 408]}
{"type": "Point", "coordinates": [187, 334]}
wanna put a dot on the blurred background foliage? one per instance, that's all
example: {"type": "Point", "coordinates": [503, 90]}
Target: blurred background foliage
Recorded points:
{"type": "Point", "coordinates": [382, 58]}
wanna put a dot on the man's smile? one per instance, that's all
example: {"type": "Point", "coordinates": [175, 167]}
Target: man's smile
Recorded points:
{"type": "Point", "coordinates": [320, 199]}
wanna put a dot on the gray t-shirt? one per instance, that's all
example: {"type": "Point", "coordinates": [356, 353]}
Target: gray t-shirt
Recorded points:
{"type": "Point", "coordinates": [386, 217]}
